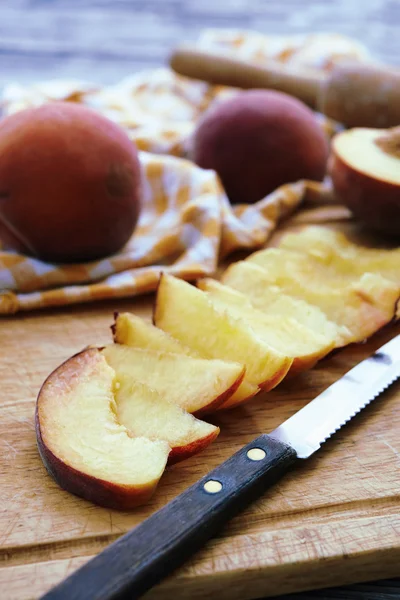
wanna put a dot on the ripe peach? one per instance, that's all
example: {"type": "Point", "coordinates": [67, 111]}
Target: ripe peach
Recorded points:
{"type": "Point", "coordinates": [259, 140]}
{"type": "Point", "coordinates": [69, 183]}
{"type": "Point", "coordinates": [365, 171]}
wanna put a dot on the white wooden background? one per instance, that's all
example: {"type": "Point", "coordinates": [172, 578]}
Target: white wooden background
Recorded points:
{"type": "Point", "coordinates": [104, 40]}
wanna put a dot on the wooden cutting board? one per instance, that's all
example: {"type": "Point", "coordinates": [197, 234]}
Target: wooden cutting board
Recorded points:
{"type": "Point", "coordinates": [334, 520]}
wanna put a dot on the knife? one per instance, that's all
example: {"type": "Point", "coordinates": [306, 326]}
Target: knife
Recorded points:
{"type": "Point", "coordinates": [141, 558]}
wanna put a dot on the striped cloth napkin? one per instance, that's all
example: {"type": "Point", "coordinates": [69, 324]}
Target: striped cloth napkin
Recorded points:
{"type": "Point", "coordinates": [187, 225]}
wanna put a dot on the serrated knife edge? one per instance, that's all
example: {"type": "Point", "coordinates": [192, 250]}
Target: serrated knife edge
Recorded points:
{"type": "Point", "coordinates": [320, 418]}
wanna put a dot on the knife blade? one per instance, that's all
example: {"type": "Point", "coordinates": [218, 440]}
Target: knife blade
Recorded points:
{"type": "Point", "coordinates": [144, 556]}
{"type": "Point", "coordinates": [307, 429]}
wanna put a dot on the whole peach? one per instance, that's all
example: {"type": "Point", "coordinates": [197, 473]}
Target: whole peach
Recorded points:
{"type": "Point", "coordinates": [259, 140]}
{"type": "Point", "coordinates": [69, 183]}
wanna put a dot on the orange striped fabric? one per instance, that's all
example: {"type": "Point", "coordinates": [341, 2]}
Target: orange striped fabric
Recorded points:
{"type": "Point", "coordinates": [187, 224]}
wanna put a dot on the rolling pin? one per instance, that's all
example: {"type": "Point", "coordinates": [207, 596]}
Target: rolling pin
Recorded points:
{"type": "Point", "coordinates": [355, 94]}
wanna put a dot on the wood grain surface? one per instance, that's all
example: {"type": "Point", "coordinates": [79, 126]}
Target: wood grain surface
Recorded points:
{"type": "Point", "coordinates": [334, 520]}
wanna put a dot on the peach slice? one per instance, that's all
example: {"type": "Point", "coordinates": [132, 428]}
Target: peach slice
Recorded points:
{"type": "Point", "coordinates": [106, 437]}
{"type": "Point", "coordinates": [187, 313]}
{"type": "Point", "coordinates": [81, 442]}
{"type": "Point", "coordinates": [333, 251]}
{"type": "Point", "coordinates": [285, 334]}
{"type": "Point", "coordinates": [253, 281]}
{"type": "Point", "coordinates": [365, 171]}
{"type": "Point", "coordinates": [194, 384]}
{"type": "Point", "coordinates": [134, 331]}
{"type": "Point", "coordinates": [363, 306]}
{"type": "Point", "coordinates": [145, 412]}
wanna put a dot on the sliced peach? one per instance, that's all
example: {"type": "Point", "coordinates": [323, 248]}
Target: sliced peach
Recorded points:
{"type": "Point", "coordinates": [81, 442]}
{"type": "Point", "coordinates": [365, 171]}
{"type": "Point", "coordinates": [134, 331]}
{"type": "Point", "coordinates": [285, 334]}
{"type": "Point", "coordinates": [187, 313]}
{"type": "Point", "coordinates": [145, 412]}
{"type": "Point", "coordinates": [363, 306]}
{"type": "Point", "coordinates": [195, 384]}
{"type": "Point", "coordinates": [105, 436]}
{"type": "Point", "coordinates": [254, 282]}
{"type": "Point", "coordinates": [334, 251]}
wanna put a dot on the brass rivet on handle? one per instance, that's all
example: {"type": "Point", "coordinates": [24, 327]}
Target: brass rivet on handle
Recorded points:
{"type": "Point", "coordinates": [212, 487]}
{"type": "Point", "coordinates": [256, 454]}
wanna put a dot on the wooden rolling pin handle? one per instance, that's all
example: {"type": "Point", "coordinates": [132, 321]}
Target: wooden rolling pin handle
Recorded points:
{"type": "Point", "coordinates": [224, 70]}
{"type": "Point", "coordinates": [360, 95]}
{"type": "Point", "coordinates": [357, 95]}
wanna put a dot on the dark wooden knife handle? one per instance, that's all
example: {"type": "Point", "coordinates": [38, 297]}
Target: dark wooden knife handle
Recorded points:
{"type": "Point", "coordinates": [141, 558]}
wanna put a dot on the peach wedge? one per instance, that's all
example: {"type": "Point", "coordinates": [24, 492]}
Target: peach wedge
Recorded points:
{"type": "Point", "coordinates": [363, 305]}
{"type": "Point", "coordinates": [334, 252]}
{"type": "Point", "coordinates": [188, 314]}
{"type": "Point", "coordinates": [145, 412]}
{"type": "Point", "coordinates": [106, 437]}
{"type": "Point", "coordinates": [195, 384]}
{"type": "Point", "coordinates": [81, 442]}
{"type": "Point", "coordinates": [283, 333]}
{"type": "Point", "coordinates": [253, 281]}
{"type": "Point", "coordinates": [134, 331]}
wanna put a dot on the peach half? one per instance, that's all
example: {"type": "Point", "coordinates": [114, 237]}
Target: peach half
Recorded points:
{"type": "Point", "coordinates": [365, 171]}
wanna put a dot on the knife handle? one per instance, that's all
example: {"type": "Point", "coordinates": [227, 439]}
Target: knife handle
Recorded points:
{"type": "Point", "coordinates": [141, 558]}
